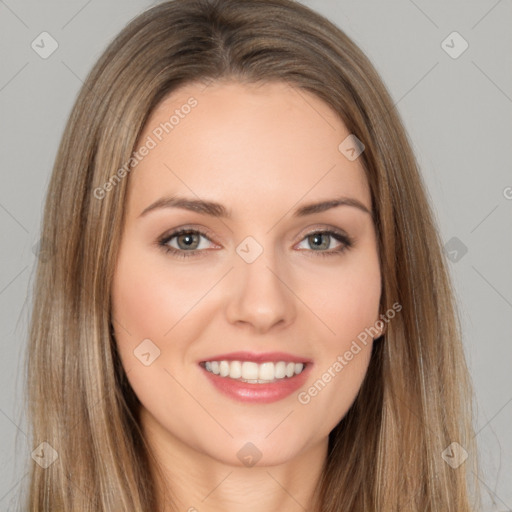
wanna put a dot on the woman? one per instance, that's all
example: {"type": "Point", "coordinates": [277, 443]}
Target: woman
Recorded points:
{"type": "Point", "coordinates": [247, 305]}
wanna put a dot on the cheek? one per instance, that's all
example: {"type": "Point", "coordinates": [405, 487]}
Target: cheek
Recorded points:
{"type": "Point", "coordinates": [148, 301]}
{"type": "Point", "coordinates": [349, 308]}
{"type": "Point", "coordinates": [346, 300]}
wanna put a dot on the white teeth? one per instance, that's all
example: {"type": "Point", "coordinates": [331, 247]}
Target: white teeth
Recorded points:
{"type": "Point", "coordinates": [224, 368]}
{"type": "Point", "coordinates": [235, 370]}
{"type": "Point", "coordinates": [280, 370]}
{"type": "Point", "coordinates": [249, 371]}
{"type": "Point", "coordinates": [266, 371]}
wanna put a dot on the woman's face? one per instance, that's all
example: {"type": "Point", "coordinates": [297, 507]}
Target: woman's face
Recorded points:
{"type": "Point", "coordinates": [258, 275]}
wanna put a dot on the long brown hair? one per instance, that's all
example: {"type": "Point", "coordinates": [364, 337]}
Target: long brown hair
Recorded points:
{"type": "Point", "coordinates": [386, 453]}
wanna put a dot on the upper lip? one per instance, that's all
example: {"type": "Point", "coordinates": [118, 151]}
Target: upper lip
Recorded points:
{"type": "Point", "coordinates": [263, 357]}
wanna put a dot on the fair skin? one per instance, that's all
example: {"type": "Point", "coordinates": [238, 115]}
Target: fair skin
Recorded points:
{"type": "Point", "coordinates": [263, 152]}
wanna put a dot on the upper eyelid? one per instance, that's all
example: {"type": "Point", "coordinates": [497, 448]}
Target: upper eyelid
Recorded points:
{"type": "Point", "coordinates": [185, 229]}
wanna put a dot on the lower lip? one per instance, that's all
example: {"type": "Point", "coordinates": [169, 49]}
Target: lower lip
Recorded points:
{"type": "Point", "coordinates": [258, 393]}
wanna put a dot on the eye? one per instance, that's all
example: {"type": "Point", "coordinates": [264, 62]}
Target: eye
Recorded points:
{"type": "Point", "coordinates": [322, 243]}
{"type": "Point", "coordinates": [183, 241]}
{"type": "Point", "coordinates": [187, 242]}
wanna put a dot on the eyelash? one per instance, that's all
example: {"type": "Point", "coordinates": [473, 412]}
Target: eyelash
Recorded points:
{"type": "Point", "coordinates": [340, 237]}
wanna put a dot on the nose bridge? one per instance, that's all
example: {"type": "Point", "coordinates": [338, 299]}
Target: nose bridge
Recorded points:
{"type": "Point", "coordinates": [259, 295]}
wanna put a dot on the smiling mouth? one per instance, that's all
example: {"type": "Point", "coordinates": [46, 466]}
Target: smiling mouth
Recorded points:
{"type": "Point", "coordinates": [252, 372]}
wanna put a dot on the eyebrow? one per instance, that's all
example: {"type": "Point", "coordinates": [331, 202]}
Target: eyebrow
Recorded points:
{"type": "Point", "coordinates": [218, 210]}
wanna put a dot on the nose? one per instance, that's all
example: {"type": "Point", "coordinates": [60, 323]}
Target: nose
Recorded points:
{"type": "Point", "coordinates": [260, 296]}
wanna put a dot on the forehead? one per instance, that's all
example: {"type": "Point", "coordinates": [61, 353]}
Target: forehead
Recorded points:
{"type": "Point", "coordinates": [244, 144]}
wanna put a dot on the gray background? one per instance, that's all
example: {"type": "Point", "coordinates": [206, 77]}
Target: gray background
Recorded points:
{"type": "Point", "coordinates": [457, 112]}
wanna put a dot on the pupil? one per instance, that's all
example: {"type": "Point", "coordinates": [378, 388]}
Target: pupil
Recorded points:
{"type": "Point", "coordinates": [188, 239]}
{"type": "Point", "coordinates": [317, 241]}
